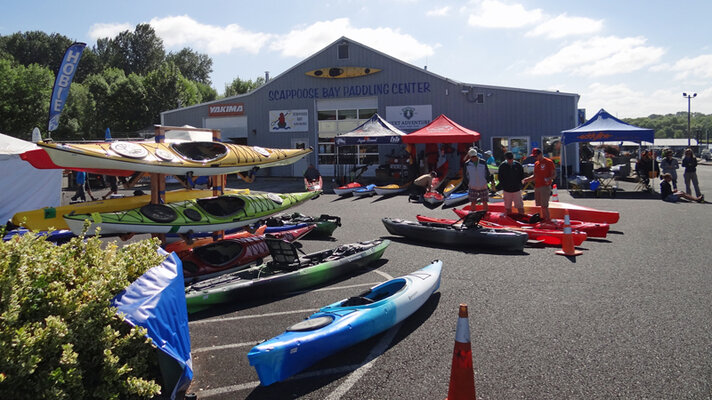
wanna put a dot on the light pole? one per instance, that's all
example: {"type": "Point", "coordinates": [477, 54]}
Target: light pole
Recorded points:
{"type": "Point", "coordinates": [689, 97]}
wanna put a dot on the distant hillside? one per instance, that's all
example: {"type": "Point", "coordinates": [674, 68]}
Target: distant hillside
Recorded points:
{"type": "Point", "coordinates": [675, 125]}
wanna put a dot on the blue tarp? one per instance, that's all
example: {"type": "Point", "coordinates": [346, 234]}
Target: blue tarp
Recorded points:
{"type": "Point", "coordinates": [156, 301]}
{"type": "Point", "coordinates": [605, 127]}
{"type": "Point", "coordinates": [374, 131]}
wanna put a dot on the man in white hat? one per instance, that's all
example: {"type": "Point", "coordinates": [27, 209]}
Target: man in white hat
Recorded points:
{"type": "Point", "coordinates": [478, 176]}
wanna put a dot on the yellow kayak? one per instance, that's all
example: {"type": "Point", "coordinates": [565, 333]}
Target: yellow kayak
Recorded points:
{"type": "Point", "coordinates": [452, 186]}
{"type": "Point", "coordinates": [391, 189]}
{"type": "Point", "coordinates": [46, 218]}
{"type": "Point", "coordinates": [200, 158]}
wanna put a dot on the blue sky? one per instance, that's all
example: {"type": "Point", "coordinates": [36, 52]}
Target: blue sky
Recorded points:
{"type": "Point", "coordinates": [631, 57]}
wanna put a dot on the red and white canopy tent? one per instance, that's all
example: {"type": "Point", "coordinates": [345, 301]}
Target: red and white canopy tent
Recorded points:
{"type": "Point", "coordinates": [442, 130]}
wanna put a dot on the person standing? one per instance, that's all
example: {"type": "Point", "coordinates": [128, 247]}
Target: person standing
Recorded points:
{"type": "Point", "coordinates": [543, 177]}
{"type": "Point", "coordinates": [113, 186]}
{"type": "Point", "coordinates": [478, 176]}
{"type": "Point", "coordinates": [689, 162]}
{"type": "Point", "coordinates": [669, 165]}
{"type": "Point", "coordinates": [511, 175]}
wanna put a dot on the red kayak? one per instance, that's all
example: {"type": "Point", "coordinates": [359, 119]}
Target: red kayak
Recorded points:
{"type": "Point", "coordinates": [433, 198]}
{"type": "Point", "coordinates": [39, 159]}
{"type": "Point", "coordinates": [233, 253]}
{"type": "Point", "coordinates": [592, 229]}
{"type": "Point", "coordinates": [348, 189]}
{"type": "Point", "coordinates": [545, 236]}
{"type": "Point", "coordinates": [558, 210]}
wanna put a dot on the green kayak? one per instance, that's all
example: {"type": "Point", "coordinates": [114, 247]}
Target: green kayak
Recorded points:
{"type": "Point", "coordinates": [198, 215]}
{"type": "Point", "coordinates": [287, 272]}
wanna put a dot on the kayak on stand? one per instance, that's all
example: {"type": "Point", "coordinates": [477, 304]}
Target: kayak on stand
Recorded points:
{"type": "Point", "coordinates": [199, 158]}
{"type": "Point", "coordinates": [287, 272]}
{"type": "Point", "coordinates": [343, 324]}
{"type": "Point", "coordinates": [47, 218]}
{"type": "Point", "coordinates": [199, 215]}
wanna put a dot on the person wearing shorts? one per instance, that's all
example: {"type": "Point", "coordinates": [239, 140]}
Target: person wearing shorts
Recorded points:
{"type": "Point", "coordinates": [477, 177]}
{"type": "Point", "coordinates": [668, 194]}
{"type": "Point", "coordinates": [543, 177]}
{"type": "Point", "coordinates": [511, 174]}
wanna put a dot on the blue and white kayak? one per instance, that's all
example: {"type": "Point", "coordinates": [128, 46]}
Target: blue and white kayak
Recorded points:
{"type": "Point", "coordinates": [368, 190]}
{"type": "Point", "coordinates": [343, 324]}
{"type": "Point", "coordinates": [455, 199]}
{"type": "Point", "coordinates": [57, 236]}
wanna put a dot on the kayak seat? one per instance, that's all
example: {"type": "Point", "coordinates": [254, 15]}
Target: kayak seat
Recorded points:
{"type": "Point", "coordinates": [284, 254]}
{"type": "Point", "coordinates": [472, 219]}
{"type": "Point", "coordinates": [356, 301]}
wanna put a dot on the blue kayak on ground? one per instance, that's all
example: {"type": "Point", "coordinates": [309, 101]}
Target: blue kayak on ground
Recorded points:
{"type": "Point", "coordinates": [343, 324]}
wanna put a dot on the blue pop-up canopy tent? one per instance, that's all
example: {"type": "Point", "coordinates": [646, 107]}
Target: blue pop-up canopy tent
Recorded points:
{"type": "Point", "coordinates": [605, 127]}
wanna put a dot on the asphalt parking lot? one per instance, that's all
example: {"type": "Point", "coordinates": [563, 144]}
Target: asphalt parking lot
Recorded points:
{"type": "Point", "coordinates": [630, 318]}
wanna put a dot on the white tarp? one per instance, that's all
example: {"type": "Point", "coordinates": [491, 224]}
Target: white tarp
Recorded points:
{"type": "Point", "coordinates": [25, 188]}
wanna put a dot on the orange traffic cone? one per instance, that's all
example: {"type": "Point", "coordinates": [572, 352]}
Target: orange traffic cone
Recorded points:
{"type": "Point", "coordinates": [555, 194]}
{"type": "Point", "coordinates": [567, 243]}
{"type": "Point", "coordinates": [462, 375]}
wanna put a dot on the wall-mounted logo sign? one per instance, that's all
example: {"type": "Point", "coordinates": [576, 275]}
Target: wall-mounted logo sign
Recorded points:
{"type": "Point", "coordinates": [289, 121]}
{"type": "Point", "coordinates": [226, 110]}
{"type": "Point", "coordinates": [342, 72]}
{"type": "Point", "coordinates": [409, 117]}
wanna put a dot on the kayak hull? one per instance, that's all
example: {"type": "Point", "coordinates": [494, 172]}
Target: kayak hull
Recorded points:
{"type": "Point", "coordinates": [390, 190]}
{"type": "Point", "coordinates": [47, 218]}
{"type": "Point", "coordinates": [170, 158]}
{"type": "Point", "coordinates": [366, 191]}
{"type": "Point", "coordinates": [348, 323]}
{"type": "Point", "coordinates": [477, 237]}
{"type": "Point", "coordinates": [558, 210]}
{"type": "Point", "coordinates": [347, 190]}
{"type": "Point", "coordinates": [197, 215]}
{"type": "Point", "coordinates": [263, 281]}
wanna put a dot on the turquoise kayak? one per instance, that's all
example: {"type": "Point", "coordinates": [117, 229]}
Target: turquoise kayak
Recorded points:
{"type": "Point", "coordinates": [197, 215]}
{"type": "Point", "coordinates": [343, 324]}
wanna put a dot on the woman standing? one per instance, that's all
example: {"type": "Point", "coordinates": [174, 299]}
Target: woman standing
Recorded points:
{"type": "Point", "coordinates": [689, 162]}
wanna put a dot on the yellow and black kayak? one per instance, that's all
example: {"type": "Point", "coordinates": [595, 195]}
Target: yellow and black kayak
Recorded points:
{"type": "Point", "coordinates": [342, 72]}
{"type": "Point", "coordinates": [200, 158]}
{"type": "Point", "coordinates": [47, 218]}
{"type": "Point", "coordinates": [198, 215]}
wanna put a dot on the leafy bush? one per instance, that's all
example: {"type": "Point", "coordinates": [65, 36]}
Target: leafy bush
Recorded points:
{"type": "Point", "coordinates": [59, 336]}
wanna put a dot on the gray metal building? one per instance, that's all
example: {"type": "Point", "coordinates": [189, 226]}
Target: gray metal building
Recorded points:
{"type": "Point", "coordinates": [338, 88]}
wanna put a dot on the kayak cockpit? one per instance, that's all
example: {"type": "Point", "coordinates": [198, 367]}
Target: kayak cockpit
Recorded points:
{"type": "Point", "coordinates": [200, 151]}
{"type": "Point", "coordinates": [222, 206]}
{"type": "Point", "coordinates": [376, 294]}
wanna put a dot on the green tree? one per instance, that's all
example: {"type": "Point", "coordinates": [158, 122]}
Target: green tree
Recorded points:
{"type": "Point", "coordinates": [238, 86]}
{"type": "Point", "coordinates": [139, 52]}
{"type": "Point", "coordinates": [194, 66]}
{"type": "Point", "coordinates": [75, 121]}
{"type": "Point", "coordinates": [129, 104]}
{"type": "Point", "coordinates": [24, 98]}
{"type": "Point", "coordinates": [207, 93]}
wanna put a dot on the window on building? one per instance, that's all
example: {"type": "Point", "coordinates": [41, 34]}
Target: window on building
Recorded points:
{"type": "Point", "coordinates": [343, 51]}
{"type": "Point", "coordinates": [517, 145]}
{"type": "Point", "coordinates": [552, 148]}
{"type": "Point", "coordinates": [347, 114]}
{"type": "Point", "coordinates": [366, 113]}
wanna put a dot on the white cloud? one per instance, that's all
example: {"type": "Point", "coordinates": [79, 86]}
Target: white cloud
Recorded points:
{"type": "Point", "coordinates": [307, 40]}
{"type": "Point", "coordinates": [563, 25]}
{"type": "Point", "coordinates": [495, 14]}
{"type": "Point", "coordinates": [600, 56]}
{"type": "Point", "coordinates": [99, 31]}
{"type": "Point", "coordinates": [183, 31]}
{"type": "Point", "coordinates": [438, 12]}
{"type": "Point", "coordinates": [700, 66]}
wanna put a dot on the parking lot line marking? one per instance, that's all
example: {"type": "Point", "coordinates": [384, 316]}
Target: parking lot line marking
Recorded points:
{"type": "Point", "coordinates": [366, 365]}
{"type": "Point", "coordinates": [222, 347]}
{"type": "Point", "coordinates": [228, 319]}
{"type": "Point", "coordinates": [326, 289]}
{"type": "Point", "coordinates": [383, 274]}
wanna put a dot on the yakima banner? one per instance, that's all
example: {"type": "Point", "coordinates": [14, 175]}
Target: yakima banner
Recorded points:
{"type": "Point", "coordinates": [62, 83]}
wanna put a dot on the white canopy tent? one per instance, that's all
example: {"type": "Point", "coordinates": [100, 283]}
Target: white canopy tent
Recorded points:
{"type": "Point", "coordinates": [24, 187]}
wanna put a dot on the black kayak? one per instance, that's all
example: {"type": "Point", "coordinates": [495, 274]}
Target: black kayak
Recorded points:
{"type": "Point", "coordinates": [466, 234]}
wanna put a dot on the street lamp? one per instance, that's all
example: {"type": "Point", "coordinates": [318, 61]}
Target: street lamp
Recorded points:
{"type": "Point", "coordinates": [689, 97]}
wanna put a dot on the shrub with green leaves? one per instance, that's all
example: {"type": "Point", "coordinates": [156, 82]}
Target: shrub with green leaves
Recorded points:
{"type": "Point", "coordinates": [59, 336]}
